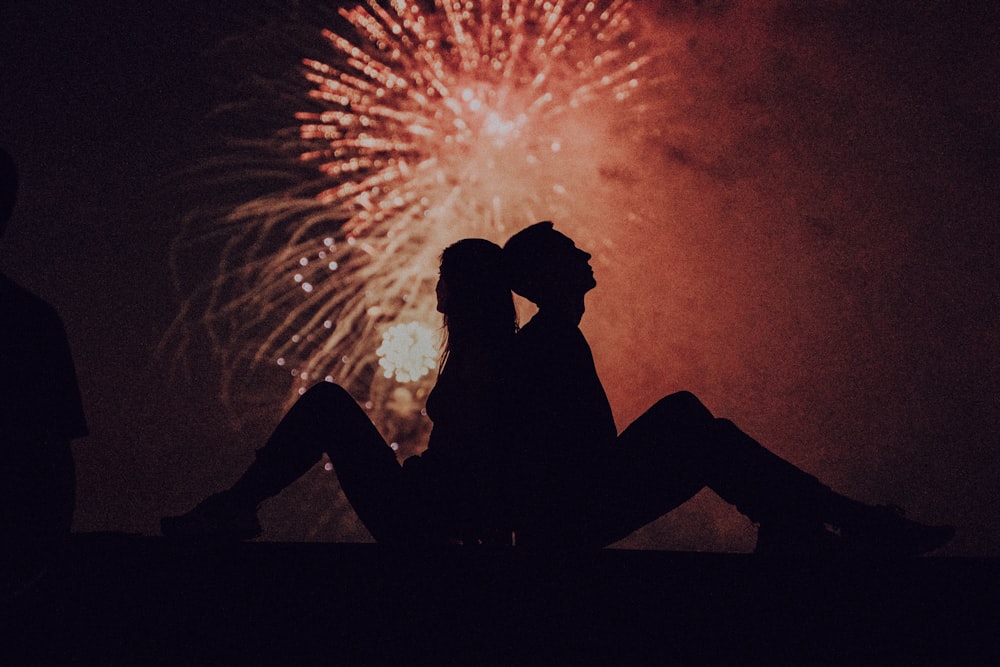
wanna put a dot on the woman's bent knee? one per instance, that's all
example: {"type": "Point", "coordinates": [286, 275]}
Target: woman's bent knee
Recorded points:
{"type": "Point", "coordinates": [322, 399]}
{"type": "Point", "coordinates": [326, 393]}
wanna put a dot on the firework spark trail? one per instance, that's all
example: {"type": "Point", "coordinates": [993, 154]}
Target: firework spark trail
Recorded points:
{"type": "Point", "coordinates": [433, 124]}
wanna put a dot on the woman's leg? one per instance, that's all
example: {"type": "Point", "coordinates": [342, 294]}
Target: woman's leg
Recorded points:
{"type": "Point", "coordinates": [326, 419]}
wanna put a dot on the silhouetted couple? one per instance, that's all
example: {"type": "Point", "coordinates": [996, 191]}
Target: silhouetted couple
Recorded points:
{"type": "Point", "coordinates": [524, 442]}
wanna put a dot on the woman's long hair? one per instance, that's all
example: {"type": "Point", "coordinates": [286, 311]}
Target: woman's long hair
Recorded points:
{"type": "Point", "coordinates": [479, 311]}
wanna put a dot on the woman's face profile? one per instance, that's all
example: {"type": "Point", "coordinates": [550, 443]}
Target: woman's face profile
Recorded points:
{"type": "Point", "coordinates": [441, 291]}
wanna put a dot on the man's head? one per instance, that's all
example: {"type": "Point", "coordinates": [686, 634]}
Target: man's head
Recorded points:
{"type": "Point", "coordinates": [8, 188]}
{"type": "Point", "coordinates": [546, 267]}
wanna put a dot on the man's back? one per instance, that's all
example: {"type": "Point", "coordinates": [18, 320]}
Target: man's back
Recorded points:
{"type": "Point", "coordinates": [562, 400]}
{"type": "Point", "coordinates": [561, 421]}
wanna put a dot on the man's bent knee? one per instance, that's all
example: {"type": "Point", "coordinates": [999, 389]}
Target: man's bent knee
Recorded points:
{"type": "Point", "coordinates": [685, 406]}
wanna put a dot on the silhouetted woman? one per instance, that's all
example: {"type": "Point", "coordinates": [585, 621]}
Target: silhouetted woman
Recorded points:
{"type": "Point", "coordinates": [448, 493]}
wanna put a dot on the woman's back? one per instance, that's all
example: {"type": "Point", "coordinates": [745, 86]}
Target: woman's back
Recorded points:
{"type": "Point", "coordinates": [462, 472]}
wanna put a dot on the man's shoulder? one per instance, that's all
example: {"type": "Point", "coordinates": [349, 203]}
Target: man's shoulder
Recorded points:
{"type": "Point", "coordinates": [546, 356]}
{"type": "Point", "coordinates": [546, 338]}
{"type": "Point", "coordinates": [541, 328]}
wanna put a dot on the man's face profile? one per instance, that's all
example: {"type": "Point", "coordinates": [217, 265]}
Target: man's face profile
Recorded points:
{"type": "Point", "coordinates": [546, 267]}
{"type": "Point", "coordinates": [569, 266]}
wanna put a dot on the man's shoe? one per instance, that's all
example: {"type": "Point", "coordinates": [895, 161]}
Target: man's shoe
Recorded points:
{"type": "Point", "coordinates": [219, 516]}
{"type": "Point", "coordinates": [884, 531]}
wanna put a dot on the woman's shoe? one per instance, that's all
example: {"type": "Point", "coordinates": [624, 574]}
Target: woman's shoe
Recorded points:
{"type": "Point", "coordinates": [790, 540]}
{"type": "Point", "coordinates": [219, 516]}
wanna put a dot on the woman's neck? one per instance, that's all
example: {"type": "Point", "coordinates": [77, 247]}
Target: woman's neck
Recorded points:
{"type": "Point", "coordinates": [474, 347]}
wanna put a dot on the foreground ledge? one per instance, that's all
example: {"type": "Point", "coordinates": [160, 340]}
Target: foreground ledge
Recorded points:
{"type": "Point", "coordinates": [126, 599]}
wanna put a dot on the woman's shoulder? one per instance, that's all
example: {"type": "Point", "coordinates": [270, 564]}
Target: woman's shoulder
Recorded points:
{"type": "Point", "coordinates": [472, 384]}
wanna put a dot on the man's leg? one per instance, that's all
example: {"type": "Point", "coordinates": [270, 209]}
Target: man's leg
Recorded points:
{"type": "Point", "coordinates": [659, 463]}
{"type": "Point", "coordinates": [794, 508]}
{"type": "Point", "coordinates": [656, 465]}
{"type": "Point", "coordinates": [677, 447]}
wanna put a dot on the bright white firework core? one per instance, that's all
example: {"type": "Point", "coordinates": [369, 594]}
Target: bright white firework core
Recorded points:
{"type": "Point", "coordinates": [408, 352]}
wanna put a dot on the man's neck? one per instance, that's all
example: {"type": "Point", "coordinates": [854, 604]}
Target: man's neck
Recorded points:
{"type": "Point", "coordinates": [566, 311]}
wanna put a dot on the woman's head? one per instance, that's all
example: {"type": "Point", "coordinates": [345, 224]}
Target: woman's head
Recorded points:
{"type": "Point", "coordinates": [473, 294]}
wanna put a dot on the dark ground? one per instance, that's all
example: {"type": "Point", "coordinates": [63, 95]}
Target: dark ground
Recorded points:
{"type": "Point", "coordinates": [124, 600]}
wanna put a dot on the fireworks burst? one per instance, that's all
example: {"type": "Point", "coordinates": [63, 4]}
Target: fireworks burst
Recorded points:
{"type": "Point", "coordinates": [428, 124]}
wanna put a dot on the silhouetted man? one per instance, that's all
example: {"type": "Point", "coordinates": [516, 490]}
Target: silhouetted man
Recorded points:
{"type": "Point", "coordinates": [579, 482]}
{"type": "Point", "coordinates": [40, 413]}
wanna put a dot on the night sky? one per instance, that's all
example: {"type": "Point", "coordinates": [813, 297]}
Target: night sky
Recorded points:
{"type": "Point", "coordinates": [823, 269]}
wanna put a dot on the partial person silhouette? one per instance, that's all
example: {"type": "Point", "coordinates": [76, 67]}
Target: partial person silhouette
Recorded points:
{"type": "Point", "coordinates": [40, 414]}
{"type": "Point", "coordinates": [579, 482]}
{"type": "Point", "coordinates": [451, 492]}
